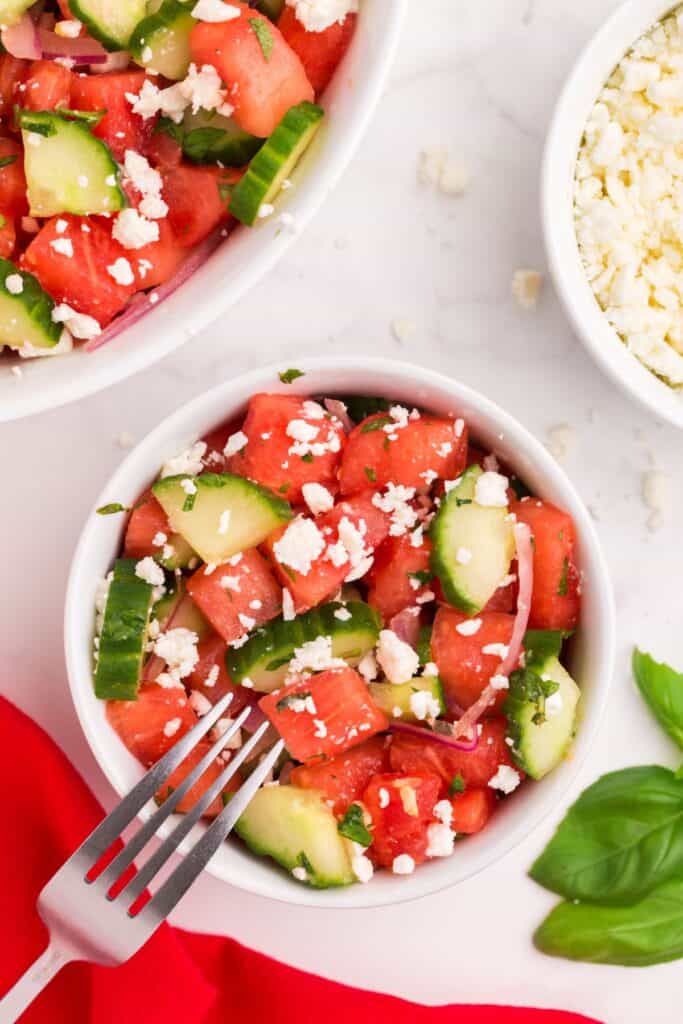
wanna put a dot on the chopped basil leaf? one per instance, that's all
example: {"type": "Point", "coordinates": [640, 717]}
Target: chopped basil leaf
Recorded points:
{"type": "Point", "coordinates": [662, 689]}
{"type": "Point", "coordinates": [5, 161]}
{"type": "Point", "coordinates": [353, 827]}
{"type": "Point", "coordinates": [422, 576]}
{"type": "Point", "coordinates": [264, 36]}
{"type": "Point", "coordinates": [457, 785]}
{"type": "Point", "coordinates": [169, 127]}
{"type": "Point", "coordinates": [109, 510]}
{"type": "Point", "coordinates": [89, 117]}
{"type": "Point", "coordinates": [188, 504]}
{"type": "Point", "coordinates": [287, 376]}
{"type": "Point", "coordinates": [563, 585]}
{"type": "Point", "coordinates": [303, 862]}
{"type": "Point", "coordinates": [381, 421]}
{"type": "Point", "coordinates": [283, 488]}
{"type": "Point", "coordinates": [307, 457]}
{"type": "Point", "coordinates": [370, 474]}
{"type": "Point", "coordinates": [462, 501]}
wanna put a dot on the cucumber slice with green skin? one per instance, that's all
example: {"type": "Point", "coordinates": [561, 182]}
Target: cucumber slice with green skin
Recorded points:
{"type": "Point", "coordinates": [161, 41]}
{"type": "Point", "coordinates": [541, 741]}
{"type": "Point", "coordinates": [11, 11]}
{"type": "Point", "coordinates": [68, 169]}
{"type": "Point", "coordinates": [110, 21]}
{"type": "Point", "coordinates": [209, 138]}
{"type": "Point", "coordinates": [390, 697]}
{"type": "Point", "coordinates": [275, 161]}
{"type": "Point", "coordinates": [225, 514]}
{"type": "Point", "coordinates": [26, 318]}
{"type": "Point", "coordinates": [484, 531]}
{"type": "Point", "coordinates": [124, 633]}
{"type": "Point", "coordinates": [182, 554]}
{"type": "Point", "coordinates": [265, 657]}
{"type": "Point", "coordinates": [297, 829]}
{"type": "Point", "coordinates": [168, 603]}
{"type": "Point", "coordinates": [271, 8]}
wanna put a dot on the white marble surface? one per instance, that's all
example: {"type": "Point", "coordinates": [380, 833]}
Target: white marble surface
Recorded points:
{"type": "Point", "coordinates": [480, 78]}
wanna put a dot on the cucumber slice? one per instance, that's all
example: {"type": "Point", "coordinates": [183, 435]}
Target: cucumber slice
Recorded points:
{"type": "Point", "coordinates": [26, 318]}
{"type": "Point", "coordinates": [486, 533]}
{"type": "Point", "coordinates": [265, 657]}
{"type": "Point", "coordinates": [124, 633]}
{"type": "Point", "coordinates": [164, 609]}
{"type": "Point", "coordinates": [209, 138]}
{"type": "Point", "coordinates": [225, 513]}
{"type": "Point", "coordinates": [12, 10]}
{"type": "Point", "coordinates": [161, 41]}
{"type": "Point", "coordinates": [68, 169]}
{"type": "Point", "coordinates": [539, 741]}
{"type": "Point", "coordinates": [110, 21]}
{"type": "Point", "coordinates": [389, 697]}
{"type": "Point", "coordinates": [182, 554]}
{"type": "Point", "coordinates": [297, 829]}
{"type": "Point", "coordinates": [275, 161]}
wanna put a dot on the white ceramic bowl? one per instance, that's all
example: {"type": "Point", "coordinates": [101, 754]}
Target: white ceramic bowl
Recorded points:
{"type": "Point", "coordinates": [592, 69]}
{"type": "Point", "coordinates": [244, 258]}
{"type": "Point", "coordinates": [592, 653]}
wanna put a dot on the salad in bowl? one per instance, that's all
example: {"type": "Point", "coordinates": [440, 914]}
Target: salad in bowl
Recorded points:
{"type": "Point", "coordinates": [370, 577]}
{"type": "Point", "coordinates": [133, 136]}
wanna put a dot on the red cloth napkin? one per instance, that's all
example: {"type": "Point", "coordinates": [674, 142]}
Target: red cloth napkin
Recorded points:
{"type": "Point", "coordinates": [178, 977]}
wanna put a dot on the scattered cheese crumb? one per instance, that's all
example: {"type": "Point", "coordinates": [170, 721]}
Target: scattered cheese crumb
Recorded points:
{"type": "Point", "coordinates": [560, 440]}
{"type": "Point", "coordinates": [214, 11]}
{"type": "Point", "coordinates": [656, 491]}
{"type": "Point", "coordinates": [506, 779]}
{"type": "Point", "coordinates": [398, 660]}
{"type": "Point", "coordinates": [526, 288]}
{"type": "Point", "coordinates": [403, 864]}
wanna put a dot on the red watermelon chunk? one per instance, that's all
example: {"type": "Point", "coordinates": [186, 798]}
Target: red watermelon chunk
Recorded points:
{"type": "Point", "coordinates": [237, 596]}
{"type": "Point", "coordinates": [342, 779]}
{"type": "Point", "coordinates": [150, 725]}
{"type": "Point", "coordinates": [401, 807]}
{"type": "Point", "coordinates": [464, 669]}
{"type": "Point", "coordinates": [400, 576]}
{"type": "Point", "coordinates": [476, 767]}
{"type": "Point", "coordinates": [319, 52]}
{"type": "Point", "coordinates": [146, 521]}
{"type": "Point", "coordinates": [556, 597]}
{"type": "Point", "coordinates": [120, 128]}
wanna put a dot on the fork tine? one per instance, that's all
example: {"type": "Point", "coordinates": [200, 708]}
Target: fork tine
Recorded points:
{"type": "Point", "coordinates": [177, 884]}
{"type": "Point", "coordinates": [113, 825]}
{"type": "Point", "coordinates": [136, 843]}
{"type": "Point", "coordinates": [139, 882]}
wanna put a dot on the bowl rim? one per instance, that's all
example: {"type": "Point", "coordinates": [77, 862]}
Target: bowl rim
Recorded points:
{"type": "Point", "coordinates": [165, 332]}
{"type": "Point", "coordinates": [411, 376]}
{"type": "Point", "coordinates": [590, 71]}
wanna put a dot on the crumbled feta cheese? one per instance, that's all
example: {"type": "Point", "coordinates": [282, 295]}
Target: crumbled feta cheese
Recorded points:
{"type": "Point", "coordinates": [121, 271]}
{"type": "Point", "coordinates": [656, 491]}
{"type": "Point", "coordinates": [320, 731]}
{"type": "Point", "coordinates": [506, 779]}
{"type": "Point", "coordinates": [500, 650]}
{"type": "Point", "coordinates": [150, 571]}
{"type": "Point", "coordinates": [230, 583]}
{"type": "Point", "coordinates": [172, 726]}
{"type": "Point", "coordinates": [178, 648]}
{"type": "Point", "coordinates": [159, 539]}
{"type": "Point", "coordinates": [199, 703]}
{"type": "Point", "coordinates": [499, 682]}
{"type": "Point", "coordinates": [188, 461]}
{"type": "Point", "coordinates": [553, 705]}
{"type": "Point", "coordinates": [288, 610]}
{"type": "Point", "coordinates": [236, 442]}
{"type": "Point", "coordinates": [491, 490]}
{"type": "Point", "coordinates": [469, 627]}
{"type": "Point", "coordinates": [214, 11]}
{"type": "Point", "coordinates": [318, 15]}
{"type": "Point", "coordinates": [148, 182]}
{"type": "Point", "coordinates": [367, 667]}
{"type": "Point", "coordinates": [384, 798]}
{"type": "Point", "coordinates": [403, 330]}
{"type": "Point", "coordinates": [395, 501]}
{"type": "Point", "coordinates": [361, 865]}
{"type": "Point", "coordinates": [560, 440]}
{"type": "Point", "coordinates": [134, 231]}
{"type": "Point", "coordinates": [423, 705]}
{"type": "Point", "coordinates": [316, 656]}
{"type": "Point", "coordinates": [343, 614]}
{"type": "Point", "coordinates": [246, 621]}
{"type": "Point", "coordinates": [463, 556]}
{"type": "Point", "coordinates": [212, 678]}
{"type": "Point", "coordinates": [64, 246]}
{"type": "Point", "coordinates": [317, 497]}
{"type": "Point", "coordinates": [300, 545]}
{"type": "Point", "coordinates": [448, 173]}
{"type": "Point", "coordinates": [78, 324]}
{"type": "Point", "coordinates": [224, 522]}
{"type": "Point", "coordinates": [526, 288]}
{"type": "Point", "coordinates": [398, 660]}
{"type": "Point", "coordinates": [403, 864]}
{"type": "Point", "coordinates": [190, 487]}
{"type": "Point", "coordinates": [14, 283]}
{"type": "Point", "coordinates": [265, 210]}
{"type": "Point", "coordinates": [300, 874]}
{"type": "Point", "coordinates": [221, 727]}
{"type": "Point", "coordinates": [101, 595]}
{"type": "Point", "coordinates": [440, 840]}
{"type": "Point", "coordinates": [70, 28]}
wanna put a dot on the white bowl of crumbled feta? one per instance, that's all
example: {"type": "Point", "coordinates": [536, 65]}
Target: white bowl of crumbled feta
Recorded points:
{"type": "Point", "coordinates": [591, 657]}
{"type": "Point", "coordinates": [612, 200]}
{"type": "Point", "coordinates": [29, 386]}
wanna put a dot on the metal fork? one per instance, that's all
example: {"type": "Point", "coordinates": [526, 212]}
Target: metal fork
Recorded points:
{"type": "Point", "coordinates": [88, 916]}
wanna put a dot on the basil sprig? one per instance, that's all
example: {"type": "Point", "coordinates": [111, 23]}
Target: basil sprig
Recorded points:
{"type": "Point", "coordinates": [617, 857]}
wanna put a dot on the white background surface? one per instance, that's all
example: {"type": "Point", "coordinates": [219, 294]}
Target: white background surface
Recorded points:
{"type": "Point", "coordinates": [480, 78]}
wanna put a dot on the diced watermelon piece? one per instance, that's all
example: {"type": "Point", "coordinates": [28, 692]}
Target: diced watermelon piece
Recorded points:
{"type": "Point", "coordinates": [210, 676]}
{"type": "Point", "coordinates": [401, 807]}
{"type": "Point", "coordinates": [12, 74]}
{"type": "Point", "coordinates": [319, 52]}
{"type": "Point", "coordinates": [472, 810]}
{"type": "Point", "coordinates": [262, 88]}
{"type": "Point", "coordinates": [422, 451]}
{"type": "Point", "coordinates": [342, 779]}
{"type": "Point", "coordinates": [47, 87]}
{"type": "Point", "coordinates": [236, 598]}
{"type": "Point", "coordinates": [150, 725]}
{"type": "Point", "coordinates": [8, 236]}
{"type": "Point", "coordinates": [325, 575]}
{"type": "Point", "coordinates": [556, 598]}
{"type": "Point", "coordinates": [163, 151]}
{"type": "Point", "coordinates": [275, 458]}
{"type": "Point", "coordinates": [120, 128]}
{"type": "Point", "coordinates": [13, 201]}
{"type": "Point", "coordinates": [401, 574]}
{"type": "Point", "coordinates": [197, 199]}
{"type": "Point", "coordinates": [464, 669]}
{"type": "Point", "coordinates": [476, 767]}
{"type": "Point", "coordinates": [200, 787]}
{"type": "Point", "coordinates": [81, 280]}
{"type": "Point", "coordinates": [146, 520]}
{"type": "Point", "coordinates": [344, 714]}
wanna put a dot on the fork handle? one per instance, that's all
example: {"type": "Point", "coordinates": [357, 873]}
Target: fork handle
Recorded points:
{"type": "Point", "coordinates": [32, 982]}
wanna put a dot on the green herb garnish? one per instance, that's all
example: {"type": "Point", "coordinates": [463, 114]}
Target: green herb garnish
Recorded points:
{"type": "Point", "coordinates": [353, 827]}
{"type": "Point", "coordinates": [287, 376]}
{"type": "Point", "coordinates": [423, 576]}
{"type": "Point", "coordinates": [188, 504]}
{"type": "Point", "coordinates": [264, 35]}
{"type": "Point", "coordinates": [370, 474]}
{"type": "Point", "coordinates": [564, 582]}
{"type": "Point", "coordinates": [457, 785]}
{"type": "Point", "coordinates": [5, 161]}
{"type": "Point", "coordinates": [110, 510]}
{"type": "Point", "coordinates": [381, 421]}
{"type": "Point", "coordinates": [307, 457]}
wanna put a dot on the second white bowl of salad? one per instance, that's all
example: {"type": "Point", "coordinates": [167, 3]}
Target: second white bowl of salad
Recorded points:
{"type": "Point", "coordinates": [405, 585]}
{"type": "Point", "coordinates": [132, 145]}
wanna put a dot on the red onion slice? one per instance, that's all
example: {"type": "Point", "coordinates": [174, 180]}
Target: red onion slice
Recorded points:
{"type": "Point", "coordinates": [140, 305]}
{"type": "Point", "coordinates": [406, 626]}
{"type": "Point", "coordinates": [81, 50]}
{"type": "Point", "coordinates": [430, 736]}
{"type": "Point", "coordinates": [338, 409]}
{"type": "Point", "coordinates": [21, 40]}
{"type": "Point", "coordinates": [525, 558]}
{"type": "Point", "coordinates": [117, 61]}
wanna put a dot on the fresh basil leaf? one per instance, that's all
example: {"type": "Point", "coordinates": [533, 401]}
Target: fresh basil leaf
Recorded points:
{"type": "Point", "coordinates": [622, 837]}
{"type": "Point", "coordinates": [649, 932]}
{"type": "Point", "coordinates": [5, 161]}
{"type": "Point", "coordinates": [265, 37]}
{"type": "Point", "coordinates": [353, 827]}
{"type": "Point", "coordinates": [287, 376]}
{"type": "Point", "coordinates": [541, 644]}
{"type": "Point", "coordinates": [563, 585]}
{"type": "Point", "coordinates": [370, 474]}
{"type": "Point", "coordinates": [109, 510]}
{"type": "Point", "coordinates": [200, 142]}
{"type": "Point", "coordinates": [457, 785]}
{"type": "Point", "coordinates": [662, 690]}
{"type": "Point", "coordinates": [90, 117]}
{"type": "Point", "coordinates": [381, 421]}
